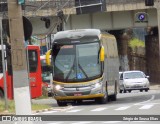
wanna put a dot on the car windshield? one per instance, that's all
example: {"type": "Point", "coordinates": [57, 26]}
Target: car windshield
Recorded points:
{"type": "Point", "coordinates": [76, 62]}
{"type": "Point", "coordinates": [133, 75]}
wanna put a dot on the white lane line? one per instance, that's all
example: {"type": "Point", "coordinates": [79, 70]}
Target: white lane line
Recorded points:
{"type": "Point", "coordinates": [111, 122]}
{"type": "Point", "coordinates": [48, 112]}
{"type": "Point", "coordinates": [146, 107]}
{"type": "Point", "coordinates": [122, 108]}
{"type": "Point", "coordinates": [139, 121]}
{"type": "Point", "coordinates": [152, 98]}
{"type": "Point", "coordinates": [55, 123]}
{"type": "Point", "coordinates": [99, 109]}
{"type": "Point", "coordinates": [83, 122]}
{"type": "Point", "coordinates": [76, 110]}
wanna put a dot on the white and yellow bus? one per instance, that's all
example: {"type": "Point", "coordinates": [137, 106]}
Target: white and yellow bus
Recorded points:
{"type": "Point", "coordinates": [85, 66]}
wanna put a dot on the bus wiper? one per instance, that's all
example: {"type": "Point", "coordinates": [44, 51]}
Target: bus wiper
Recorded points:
{"type": "Point", "coordinates": [83, 70]}
{"type": "Point", "coordinates": [70, 70]}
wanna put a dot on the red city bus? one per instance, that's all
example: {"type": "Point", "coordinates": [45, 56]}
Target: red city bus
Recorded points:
{"type": "Point", "coordinates": [34, 69]}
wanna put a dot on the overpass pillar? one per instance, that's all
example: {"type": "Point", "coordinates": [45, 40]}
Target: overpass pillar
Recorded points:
{"type": "Point", "coordinates": [158, 20]}
{"type": "Point", "coordinates": [158, 17]}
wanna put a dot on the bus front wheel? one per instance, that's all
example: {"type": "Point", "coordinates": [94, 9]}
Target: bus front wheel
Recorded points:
{"type": "Point", "coordinates": [102, 100]}
{"type": "Point", "coordinates": [61, 103]}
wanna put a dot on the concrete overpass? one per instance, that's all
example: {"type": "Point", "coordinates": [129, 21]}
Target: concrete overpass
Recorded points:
{"type": "Point", "coordinates": [120, 14]}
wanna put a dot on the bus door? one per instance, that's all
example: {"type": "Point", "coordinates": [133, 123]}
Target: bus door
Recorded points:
{"type": "Point", "coordinates": [35, 71]}
{"type": "Point", "coordinates": [8, 71]}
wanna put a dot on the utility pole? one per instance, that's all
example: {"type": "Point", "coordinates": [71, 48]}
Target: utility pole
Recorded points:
{"type": "Point", "coordinates": [19, 63]}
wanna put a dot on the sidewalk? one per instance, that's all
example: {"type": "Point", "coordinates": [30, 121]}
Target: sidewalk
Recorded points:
{"type": "Point", "coordinates": [155, 86]}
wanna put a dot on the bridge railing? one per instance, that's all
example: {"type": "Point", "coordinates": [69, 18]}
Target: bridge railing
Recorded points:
{"type": "Point", "coordinates": [61, 4]}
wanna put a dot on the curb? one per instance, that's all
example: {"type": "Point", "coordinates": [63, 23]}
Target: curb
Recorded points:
{"type": "Point", "coordinates": [51, 109]}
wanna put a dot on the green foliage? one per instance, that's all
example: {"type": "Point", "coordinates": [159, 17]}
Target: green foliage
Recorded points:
{"type": "Point", "coordinates": [136, 43]}
{"type": "Point", "coordinates": [11, 106]}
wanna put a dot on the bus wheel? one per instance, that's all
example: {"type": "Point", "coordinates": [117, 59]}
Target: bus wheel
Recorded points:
{"type": "Point", "coordinates": [1, 94]}
{"type": "Point", "coordinates": [61, 103]}
{"type": "Point", "coordinates": [102, 100]}
{"type": "Point", "coordinates": [114, 96]}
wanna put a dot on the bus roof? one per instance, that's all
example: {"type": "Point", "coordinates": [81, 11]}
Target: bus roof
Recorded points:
{"type": "Point", "coordinates": [73, 34]}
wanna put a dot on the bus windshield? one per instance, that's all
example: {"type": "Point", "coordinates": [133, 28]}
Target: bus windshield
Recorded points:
{"type": "Point", "coordinates": [74, 63]}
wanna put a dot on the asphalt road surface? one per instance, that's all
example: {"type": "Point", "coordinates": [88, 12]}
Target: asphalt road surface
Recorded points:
{"type": "Point", "coordinates": [143, 105]}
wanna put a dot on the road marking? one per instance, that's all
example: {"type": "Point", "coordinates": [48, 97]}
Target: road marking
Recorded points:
{"type": "Point", "coordinates": [48, 112]}
{"type": "Point", "coordinates": [111, 122]}
{"type": "Point", "coordinates": [99, 109]}
{"type": "Point", "coordinates": [76, 110]}
{"type": "Point", "coordinates": [85, 122]}
{"type": "Point", "coordinates": [122, 108]}
{"type": "Point", "coordinates": [55, 123]}
{"type": "Point", "coordinates": [152, 98]}
{"type": "Point", "coordinates": [146, 107]}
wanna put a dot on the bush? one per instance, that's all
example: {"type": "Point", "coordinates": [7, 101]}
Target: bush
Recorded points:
{"type": "Point", "coordinates": [133, 43]}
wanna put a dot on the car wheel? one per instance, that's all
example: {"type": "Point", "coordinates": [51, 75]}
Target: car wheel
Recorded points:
{"type": "Point", "coordinates": [146, 90]}
{"type": "Point", "coordinates": [129, 91]}
{"type": "Point", "coordinates": [124, 91]}
{"type": "Point", "coordinates": [120, 91]}
{"type": "Point", "coordinates": [141, 90]}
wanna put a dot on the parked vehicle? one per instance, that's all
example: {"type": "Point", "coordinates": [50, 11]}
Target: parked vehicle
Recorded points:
{"type": "Point", "coordinates": [133, 80]}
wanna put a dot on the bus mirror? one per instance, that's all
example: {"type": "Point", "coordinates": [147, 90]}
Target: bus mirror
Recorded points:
{"type": "Point", "coordinates": [102, 54]}
{"type": "Point", "coordinates": [48, 62]}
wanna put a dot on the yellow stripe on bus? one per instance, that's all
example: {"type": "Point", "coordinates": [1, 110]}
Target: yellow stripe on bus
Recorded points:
{"type": "Point", "coordinates": [78, 97]}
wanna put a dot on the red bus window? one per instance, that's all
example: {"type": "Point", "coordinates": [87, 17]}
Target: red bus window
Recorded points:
{"type": "Point", "coordinates": [33, 60]}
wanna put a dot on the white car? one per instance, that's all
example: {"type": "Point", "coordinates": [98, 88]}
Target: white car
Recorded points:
{"type": "Point", "coordinates": [133, 80]}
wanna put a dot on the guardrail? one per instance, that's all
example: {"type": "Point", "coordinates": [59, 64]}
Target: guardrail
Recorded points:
{"type": "Point", "coordinates": [61, 4]}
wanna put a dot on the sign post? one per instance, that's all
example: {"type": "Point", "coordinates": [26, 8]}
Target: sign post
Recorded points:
{"type": "Point", "coordinates": [19, 63]}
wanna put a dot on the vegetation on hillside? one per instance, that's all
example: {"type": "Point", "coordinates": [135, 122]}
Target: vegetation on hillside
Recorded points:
{"type": "Point", "coordinates": [135, 42]}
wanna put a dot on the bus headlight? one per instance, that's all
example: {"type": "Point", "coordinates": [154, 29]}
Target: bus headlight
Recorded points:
{"type": "Point", "coordinates": [58, 87]}
{"type": "Point", "coordinates": [97, 85]}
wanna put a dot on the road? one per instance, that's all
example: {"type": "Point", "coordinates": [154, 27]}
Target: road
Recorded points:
{"type": "Point", "coordinates": [134, 103]}
{"type": "Point", "coordinates": [127, 104]}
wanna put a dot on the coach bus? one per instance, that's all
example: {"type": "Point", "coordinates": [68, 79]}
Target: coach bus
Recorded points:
{"type": "Point", "coordinates": [34, 72]}
{"type": "Point", "coordinates": [85, 66]}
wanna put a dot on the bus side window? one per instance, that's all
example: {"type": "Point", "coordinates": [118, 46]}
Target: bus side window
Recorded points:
{"type": "Point", "coordinates": [33, 60]}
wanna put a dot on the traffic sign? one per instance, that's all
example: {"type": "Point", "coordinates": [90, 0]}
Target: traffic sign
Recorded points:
{"type": "Point", "coordinates": [141, 17]}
